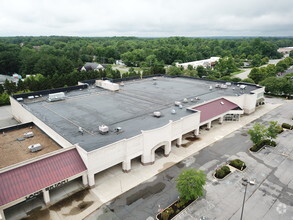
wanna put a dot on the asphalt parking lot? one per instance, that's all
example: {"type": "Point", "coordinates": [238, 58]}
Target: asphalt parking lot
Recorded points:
{"type": "Point", "coordinates": [270, 198]}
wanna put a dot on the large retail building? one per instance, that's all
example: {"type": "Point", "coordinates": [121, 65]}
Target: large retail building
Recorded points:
{"type": "Point", "coordinates": [97, 126]}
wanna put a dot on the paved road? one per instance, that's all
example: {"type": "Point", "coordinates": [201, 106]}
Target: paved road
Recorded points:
{"type": "Point", "coordinates": [270, 198]}
{"type": "Point", "coordinates": [246, 72]}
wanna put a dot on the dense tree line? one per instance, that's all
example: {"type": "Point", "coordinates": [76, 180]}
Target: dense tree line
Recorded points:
{"type": "Point", "coordinates": [55, 61]}
{"type": "Point", "coordinates": [61, 55]}
{"type": "Point", "coordinates": [270, 77]}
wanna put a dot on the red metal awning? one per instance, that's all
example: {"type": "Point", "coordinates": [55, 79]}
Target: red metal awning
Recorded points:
{"type": "Point", "coordinates": [214, 108]}
{"type": "Point", "coordinates": [30, 178]}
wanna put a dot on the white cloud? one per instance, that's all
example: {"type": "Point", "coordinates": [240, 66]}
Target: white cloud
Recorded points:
{"type": "Point", "coordinates": [146, 17]}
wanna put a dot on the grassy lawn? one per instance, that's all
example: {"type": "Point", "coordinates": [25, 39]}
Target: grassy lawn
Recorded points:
{"type": "Point", "coordinates": [238, 72]}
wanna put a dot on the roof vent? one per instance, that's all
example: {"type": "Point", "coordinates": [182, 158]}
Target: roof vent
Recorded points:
{"type": "Point", "coordinates": [196, 98]}
{"type": "Point", "coordinates": [243, 87]}
{"type": "Point", "coordinates": [180, 106]}
{"type": "Point", "coordinates": [185, 100]}
{"type": "Point", "coordinates": [173, 111]}
{"type": "Point", "coordinates": [233, 88]}
{"type": "Point", "coordinates": [223, 86]}
{"type": "Point", "coordinates": [118, 129]}
{"type": "Point", "coordinates": [103, 129]}
{"type": "Point", "coordinates": [177, 103]}
{"type": "Point", "coordinates": [211, 87]}
{"type": "Point", "coordinates": [192, 100]}
{"type": "Point", "coordinates": [222, 103]}
{"type": "Point", "coordinates": [157, 114]}
{"type": "Point", "coordinates": [154, 78]}
{"type": "Point", "coordinates": [80, 130]}
{"type": "Point", "coordinates": [121, 84]}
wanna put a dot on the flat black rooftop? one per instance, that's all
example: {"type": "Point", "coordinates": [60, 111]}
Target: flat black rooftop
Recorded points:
{"type": "Point", "coordinates": [131, 108]}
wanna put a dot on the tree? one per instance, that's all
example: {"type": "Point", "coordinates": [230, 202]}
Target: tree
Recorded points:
{"type": "Point", "coordinates": [272, 130]}
{"type": "Point", "coordinates": [248, 80]}
{"type": "Point", "coordinates": [174, 71]}
{"type": "Point", "coordinates": [257, 75]}
{"type": "Point", "coordinates": [258, 133]}
{"type": "Point", "coordinates": [190, 184]}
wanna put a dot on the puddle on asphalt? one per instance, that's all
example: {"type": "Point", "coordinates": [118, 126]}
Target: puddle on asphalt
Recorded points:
{"type": "Point", "coordinates": [82, 206]}
{"type": "Point", "coordinates": [79, 196]}
{"type": "Point", "coordinates": [37, 213]}
{"type": "Point", "coordinates": [145, 193]}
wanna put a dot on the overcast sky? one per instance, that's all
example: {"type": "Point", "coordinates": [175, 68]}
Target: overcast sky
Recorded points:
{"type": "Point", "coordinates": [146, 18]}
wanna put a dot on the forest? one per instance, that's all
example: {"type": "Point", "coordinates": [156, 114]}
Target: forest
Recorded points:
{"type": "Point", "coordinates": [56, 61]}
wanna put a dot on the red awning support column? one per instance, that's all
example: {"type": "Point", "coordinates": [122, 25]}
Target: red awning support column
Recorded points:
{"type": "Point", "coordinates": [2, 216]}
{"type": "Point", "coordinates": [46, 196]}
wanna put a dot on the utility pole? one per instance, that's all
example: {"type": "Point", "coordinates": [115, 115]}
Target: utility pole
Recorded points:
{"type": "Point", "coordinates": [244, 184]}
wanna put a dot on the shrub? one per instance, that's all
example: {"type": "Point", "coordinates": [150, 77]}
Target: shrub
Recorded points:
{"type": "Point", "coordinates": [166, 213]}
{"type": "Point", "coordinates": [287, 126]}
{"type": "Point", "coordinates": [279, 129]}
{"type": "Point", "coordinates": [239, 164]}
{"type": "Point", "coordinates": [222, 172]}
{"type": "Point", "coordinates": [257, 147]}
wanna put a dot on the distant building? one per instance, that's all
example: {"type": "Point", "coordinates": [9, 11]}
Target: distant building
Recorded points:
{"type": "Point", "coordinates": [92, 66]}
{"type": "Point", "coordinates": [285, 50]}
{"type": "Point", "coordinates": [207, 63]}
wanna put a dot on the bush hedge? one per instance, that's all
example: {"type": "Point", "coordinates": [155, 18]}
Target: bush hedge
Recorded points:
{"type": "Point", "coordinates": [287, 126]}
{"type": "Point", "coordinates": [257, 147]}
{"type": "Point", "coordinates": [222, 172]}
{"type": "Point", "coordinates": [238, 164]}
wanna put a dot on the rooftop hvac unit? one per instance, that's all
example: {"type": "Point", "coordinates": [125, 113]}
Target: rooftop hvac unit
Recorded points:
{"type": "Point", "coordinates": [31, 97]}
{"type": "Point", "coordinates": [56, 96]}
{"type": "Point", "coordinates": [211, 87]}
{"type": "Point", "coordinates": [228, 83]}
{"type": "Point", "coordinates": [19, 99]}
{"type": "Point", "coordinates": [217, 86]}
{"type": "Point", "coordinates": [121, 84]}
{"type": "Point", "coordinates": [173, 111]}
{"type": "Point", "coordinates": [243, 87]}
{"type": "Point", "coordinates": [177, 103]}
{"type": "Point", "coordinates": [185, 100]}
{"type": "Point", "coordinates": [35, 147]}
{"type": "Point", "coordinates": [28, 134]}
{"type": "Point", "coordinates": [223, 86]}
{"type": "Point", "coordinates": [157, 114]}
{"type": "Point", "coordinates": [196, 98]}
{"type": "Point", "coordinates": [103, 129]}
{"type": "Point", "coordinates": [154, 78]}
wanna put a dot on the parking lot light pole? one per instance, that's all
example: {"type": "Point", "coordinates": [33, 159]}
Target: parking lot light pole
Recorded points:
{"type": "Point", "coordinates": [245, 183]}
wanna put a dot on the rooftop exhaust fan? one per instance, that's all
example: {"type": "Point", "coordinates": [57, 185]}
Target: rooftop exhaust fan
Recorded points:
{"type": "Point", "coordinates": [173, 111]}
